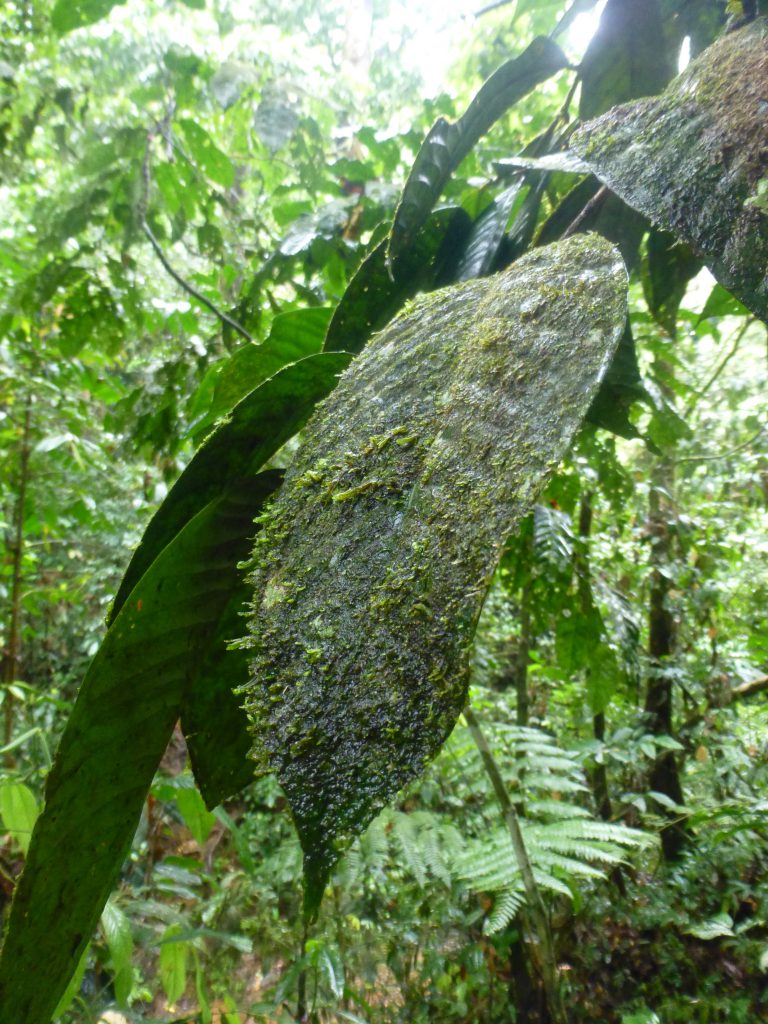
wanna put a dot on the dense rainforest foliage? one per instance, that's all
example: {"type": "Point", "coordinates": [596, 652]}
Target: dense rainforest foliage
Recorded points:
{"type": "Point", "coordinates": [384, 511]}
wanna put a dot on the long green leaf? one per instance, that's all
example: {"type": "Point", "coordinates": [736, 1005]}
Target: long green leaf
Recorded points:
{"type": "Point", "coordinates": [258, 425]}
{"type": "Point", "coordinates": [376, 293]}
{"type": "Point", "coordinates": [373, 563]}
{"type": "Point", "coordinates": [121, 723]}
{"type": "Point", "coordinates": [487, 234]}
{"type": "Point", "coordinates": [71, 14]}
{"type": "Point", "coordinates": [448, 143]}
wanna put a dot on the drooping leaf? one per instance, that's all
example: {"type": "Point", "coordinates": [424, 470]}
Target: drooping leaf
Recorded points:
{"type": "Point", "coordinates": [196, 816]}
{"type": "Point", "coordinates": [377, 553]}
{"type": "Point", "coordinates": [692, 160]}
{"type": "Point", "coordinates": [487, 234]}
{"type": "Point", "coordinates": [448, 143]}
{"type": "Point", "coordinates": [119, 936]}
{"type": "Point", "coordinates": [258, 425]}
{"type": "Point", "coordinates": [376, 293]}
{"type": "Point", "coordinates": [669, 267]}
{"type": "Point", "coordinates": [71, 14]}
{"type": "Point", "coordinates": [627, 57]}
{"type": "Point", "coordinates": [121, 723]}
{"type": "Point", "coordinates": [621, 387]}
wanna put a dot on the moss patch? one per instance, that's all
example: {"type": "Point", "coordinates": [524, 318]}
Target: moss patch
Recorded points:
{"type": "Point", "coordinates": [692, 160]}
{"type": "Point", "coordinates": [373, 563]}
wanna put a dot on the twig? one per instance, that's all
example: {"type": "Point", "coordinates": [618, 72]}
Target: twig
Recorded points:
{"type": "Point", "coordinates": [722, 365]}
{"type": "Point", "coordinates": [726, 454]}
{"type": "Point", "coordinates": [592, 206]}
{"type": "Point", "coordinates": [182, 282]}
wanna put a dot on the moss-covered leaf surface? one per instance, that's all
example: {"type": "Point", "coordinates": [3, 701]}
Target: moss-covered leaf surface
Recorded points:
{"type": "Point", "coordinates": [695, 160]}
{"type": "Point", "coordinates": [373, 563]}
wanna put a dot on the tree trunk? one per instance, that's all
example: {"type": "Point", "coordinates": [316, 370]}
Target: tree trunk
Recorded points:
{"type": "Point", "coordinates": [664, 776]}
{"type": "Point", "coordinates": [12, 652]}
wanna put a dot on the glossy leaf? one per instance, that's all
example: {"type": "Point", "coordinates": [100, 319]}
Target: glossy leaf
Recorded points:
{"type": "Point", "coordinates": [669, 267]}
{"type": "Point", "coordinates": [121, 723]}
{"type": "Point", "coordinates": [448, 143]}
{"type": "Point", "coordinates": [377, 292]}
{"type": "Point", "coordinates": [487, 234]}
{"type": "Point", "coordinates": [373, 563]}
{"type": "Point", "coordinates": [119, 936]}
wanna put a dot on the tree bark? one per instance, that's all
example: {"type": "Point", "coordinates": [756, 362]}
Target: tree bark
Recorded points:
{"type": "Point", "coordinates": [12, 652]}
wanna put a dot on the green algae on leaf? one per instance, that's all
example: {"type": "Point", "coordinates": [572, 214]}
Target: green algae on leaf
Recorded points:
{"type": "Point", "coordinates": [373, 562]}
{"type": "Point", "coordinates": [692, 160]}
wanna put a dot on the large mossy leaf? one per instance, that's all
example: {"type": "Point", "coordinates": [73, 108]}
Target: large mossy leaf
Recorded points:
{"type": "Point", "coordinates": [373, 563]}
{"type": "Point", "coordinates": [258, 425]}
{"type": "Point", "coordinates": [694, 160]}
{"type": "Point", "coordinates": [121, 723]}
{"type": "Point", "coordinates": [449, 142]}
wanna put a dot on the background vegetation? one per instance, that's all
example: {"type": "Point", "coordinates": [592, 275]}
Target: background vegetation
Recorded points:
{"type": "Point", "coordinates": [179, 180]}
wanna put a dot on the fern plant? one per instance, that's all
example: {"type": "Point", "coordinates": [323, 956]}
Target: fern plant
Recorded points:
{"type": "Point", "coordinates": [565, 844]}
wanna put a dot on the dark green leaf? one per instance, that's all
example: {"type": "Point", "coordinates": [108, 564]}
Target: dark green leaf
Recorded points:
{"type": "Point", "coordinates": [627, 57]}
{"type": "Point", "coordinates": [293, 336]}
{"type": "Point", "coordinates": [373, 563]}
{"type": "Point", "coordinates": [620, 389]}
{"type": "Point", "coordinates": [448, 143]}
{"type": "Point", "coordinates": [375, 294]}
{"type": "Point", "coordinates": [487, 234]}
{"type": "Point", "coordinates": [669, 266]}
{"type": "Point", "coordinates": [259, 425]}
{"type": "Point", "coordinates": [121, 723]}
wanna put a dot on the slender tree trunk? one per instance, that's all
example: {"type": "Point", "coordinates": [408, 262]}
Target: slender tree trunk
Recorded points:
{"type": "Point", "coordinates": [664, 775]}
{"type": "Point", "coordinates": [12, 652]}
{"type": "Point", "coordinates": [522, 656]}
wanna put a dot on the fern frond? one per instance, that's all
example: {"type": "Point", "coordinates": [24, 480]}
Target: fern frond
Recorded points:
{"type": "Point", "coordinates": [505, 909]}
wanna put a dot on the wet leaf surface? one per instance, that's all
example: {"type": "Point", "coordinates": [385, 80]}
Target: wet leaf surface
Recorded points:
{"type": "Point", "coordinates": [375, 557]}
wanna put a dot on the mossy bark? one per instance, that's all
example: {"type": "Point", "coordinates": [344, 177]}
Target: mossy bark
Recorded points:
{"type": "Point", "coordinates": [373, 563]}
{"type": "Point", "coordinates": [695, 159]}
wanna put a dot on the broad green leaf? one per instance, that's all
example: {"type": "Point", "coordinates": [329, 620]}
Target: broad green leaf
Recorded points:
{"type": "Point", "coordinates": [293, 335]}
{"type": "Point", "coordinates": [621, 387]}
{"type": "Point", "coordinates": [119, 937]}
{"type": "Point", "coordinates": [174, 954]}
{"type": "Point", "coordinates": [714, 928]}
{"type": "Point", "coordinates": [209, 158]}
{"type": "Point", "coordinates": [448, 143]}
{"type": "Point", "coordinates": [627, 57]}
{"type": "Point", "coordinates": [70, 14]}
{"type": "Point", "coordinates": [487, 234]}
{"type": "Point", "coordinates": [664, 158]}
{"type": "Point", "coordinates": [258, 425]}
{"type": "Point", "coordinates": [198, 819]}
{"type": "Point", "coordinates": [18, 811]}
{"type": "Point", "coordinates": [372, 567]}
{"type": "Point", "coordinates": [376, 293]}
{"type": "Point", "coordinates": [121, 723]}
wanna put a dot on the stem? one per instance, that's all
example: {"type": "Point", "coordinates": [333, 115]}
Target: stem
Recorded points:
{"type": "Point", "coordinates": [534, 899]}
{"type": "Point", "coordinates": [12, 653]}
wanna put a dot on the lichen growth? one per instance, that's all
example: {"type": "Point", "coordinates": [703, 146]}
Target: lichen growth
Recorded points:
{"type": "Point", "coordinates": [692, 159]}
{"type": "Point", "coordinates": [372, 565]}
